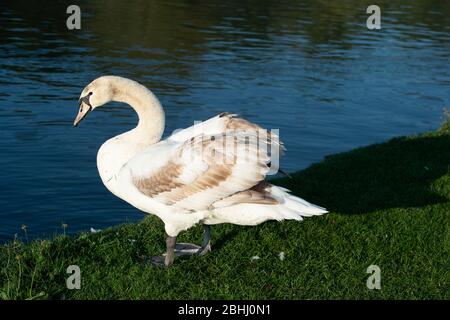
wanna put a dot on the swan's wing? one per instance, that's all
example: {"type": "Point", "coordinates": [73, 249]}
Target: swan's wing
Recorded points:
{"type": "Point", "coordinates": [257, 194]}
{"type": "Point", "coordinates": [219, 124]}
{"type": "Point", "coordinates": [207, 168]}
{"type": "Point", "coordinates": [214, 125]}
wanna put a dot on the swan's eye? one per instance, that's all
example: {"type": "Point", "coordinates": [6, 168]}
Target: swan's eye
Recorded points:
{"type": "Point", "coordinates": [90, 93]}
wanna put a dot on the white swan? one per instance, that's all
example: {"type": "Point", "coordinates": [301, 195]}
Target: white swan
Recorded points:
{"type": "Point", "coordinates": [181, 179]}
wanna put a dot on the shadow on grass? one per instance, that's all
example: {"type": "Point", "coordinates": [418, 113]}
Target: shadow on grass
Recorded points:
{"type": "Point", "coordinates": [399, 173]}
{"type": "Point", "coordinates": [230, 234]}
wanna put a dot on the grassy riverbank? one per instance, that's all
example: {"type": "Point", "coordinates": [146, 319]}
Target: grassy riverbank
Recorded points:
{"type": "Point", "coordinates": [389, 203]}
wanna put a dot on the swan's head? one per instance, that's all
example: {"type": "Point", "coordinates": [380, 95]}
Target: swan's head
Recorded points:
{"type": "Point", "coordinates": [95, 94]}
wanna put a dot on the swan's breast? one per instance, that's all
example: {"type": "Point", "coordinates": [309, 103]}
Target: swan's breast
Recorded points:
{"type": "Point", "coordinates": [117, 152]}
{"type": "Point", "coordinates": [111, 157]}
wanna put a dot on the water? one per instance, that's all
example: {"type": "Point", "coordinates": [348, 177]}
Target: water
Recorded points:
{"type": "Point", "coordinates": [310, 68]}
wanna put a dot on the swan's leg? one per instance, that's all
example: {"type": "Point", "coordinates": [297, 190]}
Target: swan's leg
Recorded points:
{"type": "Point", "coordinates": [187, 249]}
{"type": "Point", "coordinates": [170, 253]}
{"type": "Point", "coordinates": [167, 258]}
{"type": "Point", "coordinates": [206, 244]}
{"type": "Point", "coordinates": [183, 249]}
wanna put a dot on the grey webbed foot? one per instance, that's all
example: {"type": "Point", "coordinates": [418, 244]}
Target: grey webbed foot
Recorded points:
{"type": "Point", "coordinates": [158, 260]}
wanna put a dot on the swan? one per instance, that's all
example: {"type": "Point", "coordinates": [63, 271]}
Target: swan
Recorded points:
{"type": "Point", "coordinates": [210, 173]}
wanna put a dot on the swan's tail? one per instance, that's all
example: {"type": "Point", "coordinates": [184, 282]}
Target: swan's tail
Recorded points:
{"type": "Point", "coordinates": [292, 207]}
{"type": "Point", "coordinates": [286, 207]}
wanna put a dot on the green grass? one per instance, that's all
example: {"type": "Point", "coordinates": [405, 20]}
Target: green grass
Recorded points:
{"type": "Point", "coordinates": [389, 204]}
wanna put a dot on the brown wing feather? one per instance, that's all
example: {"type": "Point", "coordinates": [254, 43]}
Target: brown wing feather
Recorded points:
{"type": "Point", "coordinates": [257, 194]}
{"type": "Point", "coordinates": [162, 181]}
{"type": "Point", "coordinates": [165, 184]}
{"type": "Point", "coordinates": [235, 123]}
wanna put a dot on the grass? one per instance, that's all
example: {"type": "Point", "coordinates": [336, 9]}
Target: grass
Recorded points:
{"type": "Point", "coordinates": [389, 204]}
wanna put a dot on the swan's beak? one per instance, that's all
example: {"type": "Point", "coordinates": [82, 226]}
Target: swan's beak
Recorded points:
{"type": "Point", "coordinates": [84, 110]}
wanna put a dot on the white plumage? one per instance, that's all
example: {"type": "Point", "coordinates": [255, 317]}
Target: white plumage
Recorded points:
{"type": "Point", "coordinates": [213, 172]}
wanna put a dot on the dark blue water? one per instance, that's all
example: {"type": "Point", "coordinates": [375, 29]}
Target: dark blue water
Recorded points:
{"type": "Point", "coordinates": [310, 68]}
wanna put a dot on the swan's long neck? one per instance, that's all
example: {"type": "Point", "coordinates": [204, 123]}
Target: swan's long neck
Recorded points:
{"type": "Point", "coordinates": [148, 108]}
{"type": "Point", "coordinates": [117, 151]}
